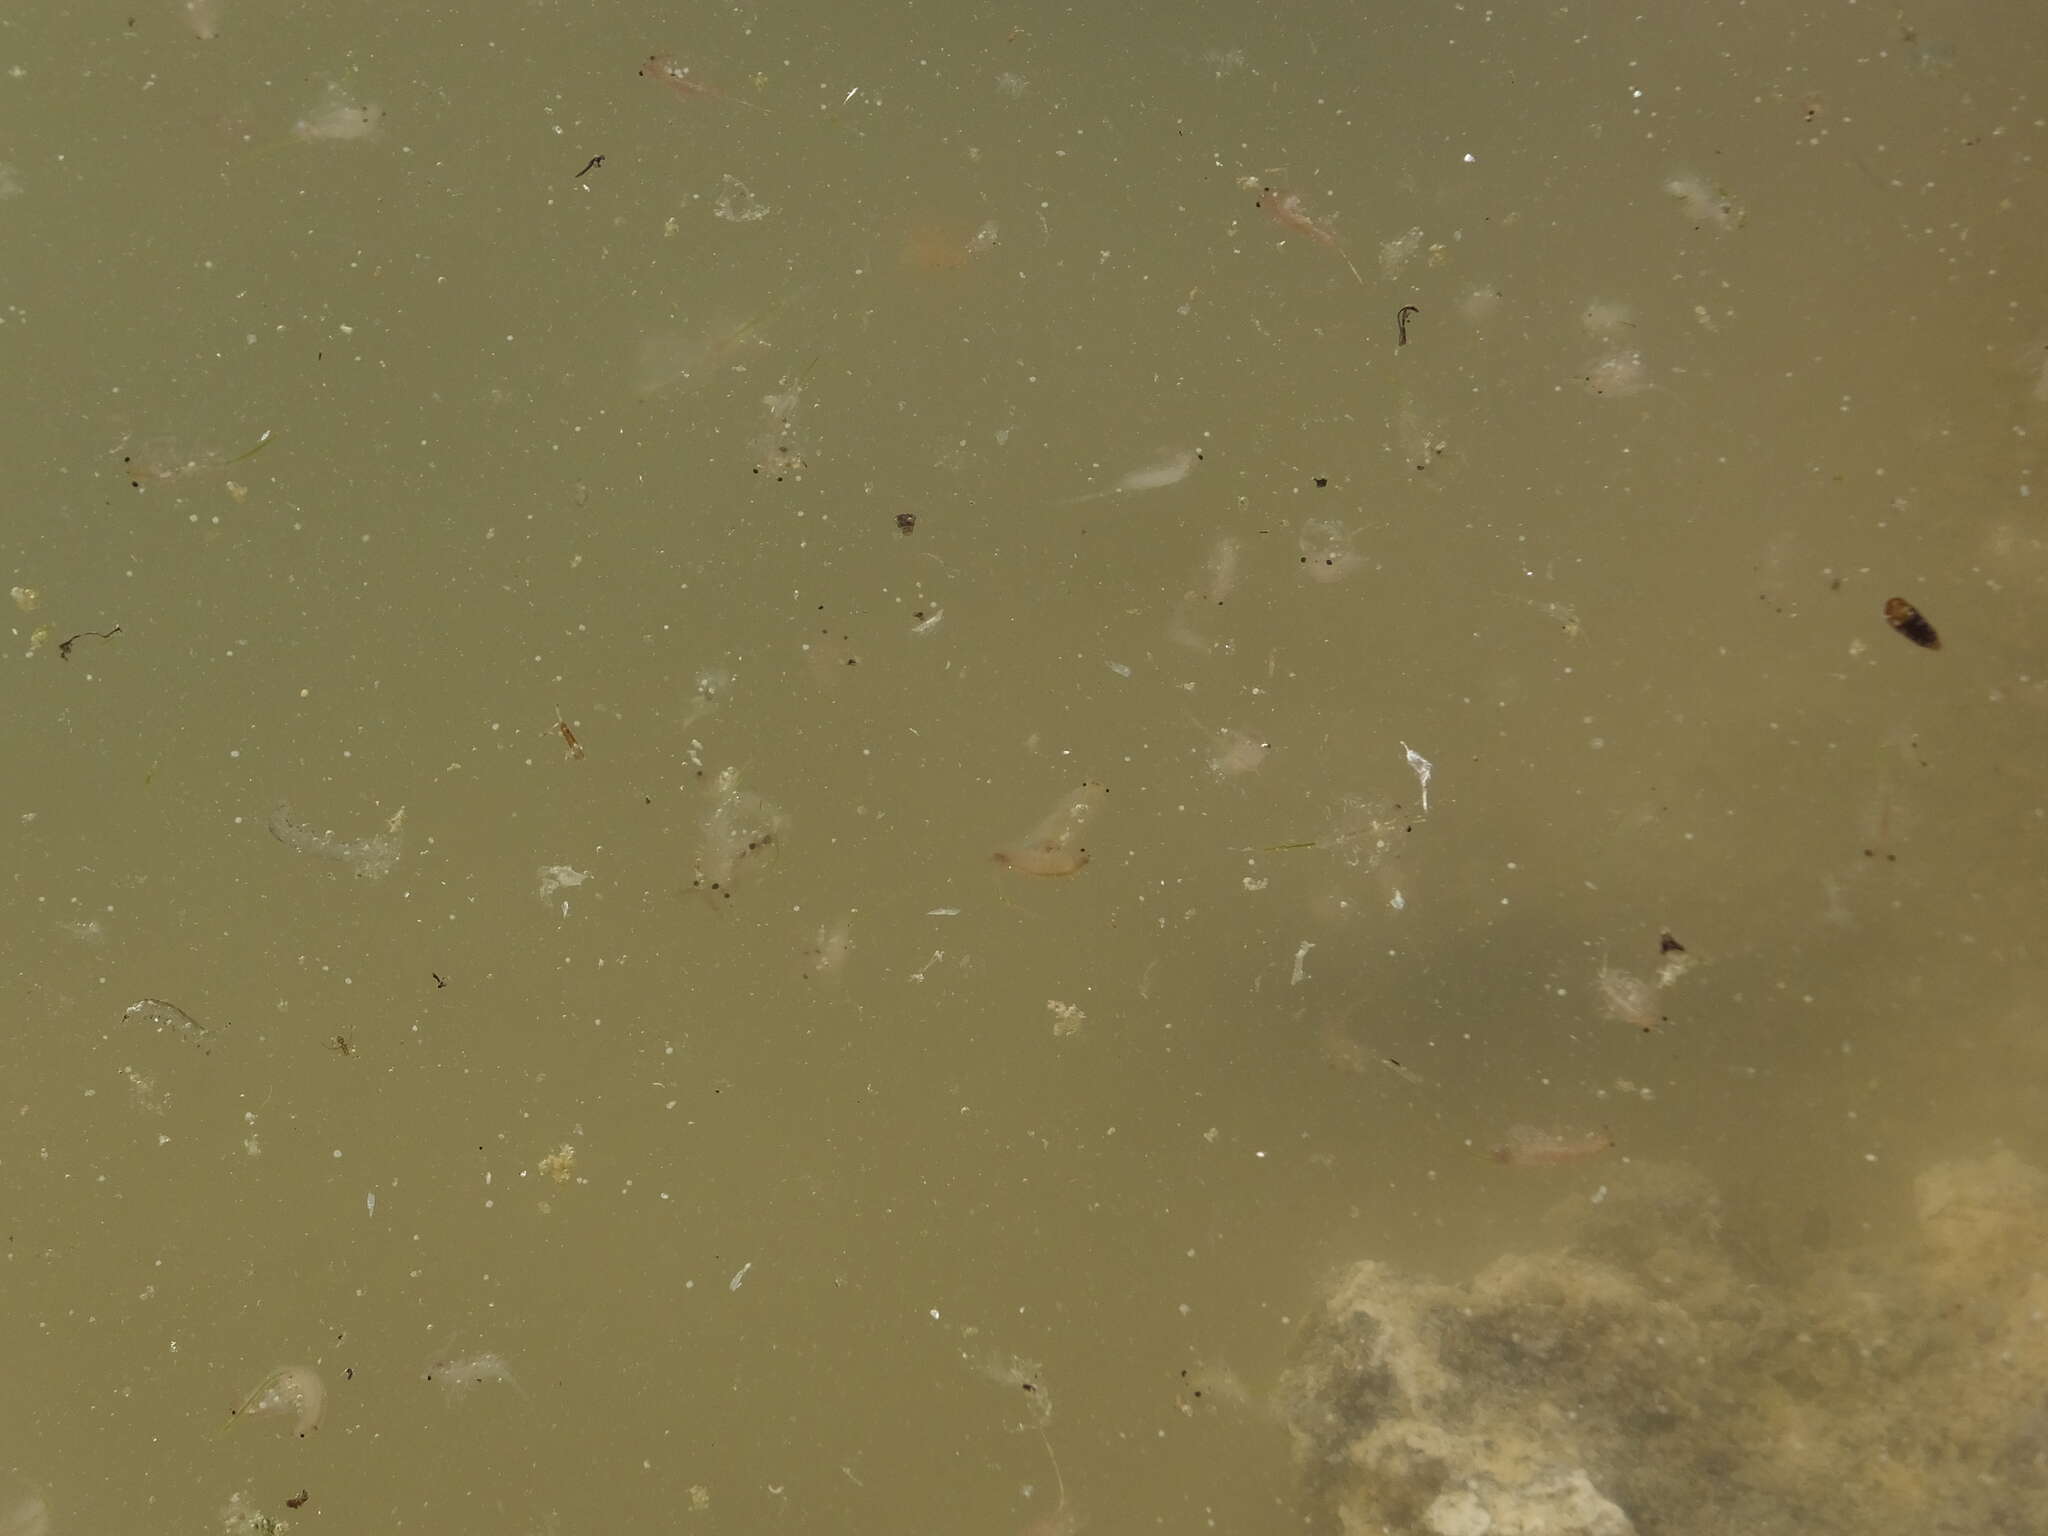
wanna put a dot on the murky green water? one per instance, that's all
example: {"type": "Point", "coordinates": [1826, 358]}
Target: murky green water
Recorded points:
{"type": "Point", "coordinates": [533, 661]}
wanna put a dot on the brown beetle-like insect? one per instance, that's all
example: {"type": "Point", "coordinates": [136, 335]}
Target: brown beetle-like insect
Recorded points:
{"type": "Point", "coordinates": [1906, 619]}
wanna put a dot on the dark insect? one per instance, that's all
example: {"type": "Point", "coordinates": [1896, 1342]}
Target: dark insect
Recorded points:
{"type": "Point", "coordinates": [300, 1501]}
{"type": "Point", "coordinates": [906, 523]}
{"type": "Point", "coordinates": [1666, 944]}
{"type": "Point", "coordinates": [1906, 619]}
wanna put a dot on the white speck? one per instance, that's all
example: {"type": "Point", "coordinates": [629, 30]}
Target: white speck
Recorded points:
{"type": "Point", "coordinates": [739, 1275]}
{"type": "Point", "coordinates": [370, 1202]}
{"type": "Point", "coordinates": [943, 912]}
{"type": "Point", "coordinates": [1470, 158]}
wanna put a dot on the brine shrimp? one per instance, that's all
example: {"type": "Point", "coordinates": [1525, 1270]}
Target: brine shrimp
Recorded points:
{"type": "Point", "coordinates": [1529, 1146]}
{"type": "Point", "coordinates": [1286, 208]}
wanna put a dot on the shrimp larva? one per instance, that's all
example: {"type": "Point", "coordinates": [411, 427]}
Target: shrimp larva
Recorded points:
{"type": "Point", "coordinates": [1054, 846]}
{"type": "Point", "coordinates": [371, 857]}
{"type": "Point", "coordinates": [293, 1389]}
{"type": "Point", "coordinates": [1527, 1146]}
{"type": "Point", "coordinates": [458, 1378]}
{"type": "Point", "coordinates": [1627, 999]}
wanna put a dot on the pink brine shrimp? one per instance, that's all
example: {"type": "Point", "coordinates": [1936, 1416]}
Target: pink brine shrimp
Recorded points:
{"type": "Point", "coordinates": [1529, 1146]}
{"type": "Point", "coordinates": [677, 78]}
{"type": "Point", "coordinates": [1054, 847]}
{"type": "Point", "coordinates": [1287, 209]}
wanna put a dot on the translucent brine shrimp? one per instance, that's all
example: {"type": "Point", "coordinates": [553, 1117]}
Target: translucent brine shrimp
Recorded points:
{"type": "Point", "coordinates": [741, 826]}
{"type": "Point", "coordinates": [371, 857]}
{"type": "Point", "coordinates": [458, 1378]}
{"type": "Point", "coordinates": [1287, 209]}
{"type": "Point", "coordinates": [294, 1389]}
{"type": "Point", "coordinates": [340, 121]}
{"type": "Point", "coordinates": [1627, 999]}
{"type": "Point", "coordinates": [1054, 846]}
{"type": "Point", "coordinates": [1169, 469]}
{"type": "Point", "coordinates": [681, 82]}
{"type": "Point", "coordinates": [1528, 1146]}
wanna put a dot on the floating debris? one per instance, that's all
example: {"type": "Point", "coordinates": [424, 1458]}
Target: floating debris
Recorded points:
{"type": "Point", "coordinates": [371, 858]}
{"type": "Point", "coordinates": [240, 1516]}
{"type": "Point", "coordinates": [170, 1017]}
{"type": "Point", "coordinates": [64, 646]}
{"type": "Point", "coordinates": [1054, 846]}
{"type": "Point", "coordinates": [560, 1164]}
{"type": "Point", "coordinates": [1529, 1146]}
{"type": "Point", "coordinates": [736, 203]}
{"type": "Point", "coordinates": [293, 1389]}
{"type": "Point", "coordinates": [1423, 769]}
{"type": "Point", "coordinates": [1067, 1018]}
{"type": "Point", "coordinates": [1907, 620]}
{"type": "Point", "coordinates": [1361, 833]}
{"type": "Point", "coordinates": [557, 877]}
